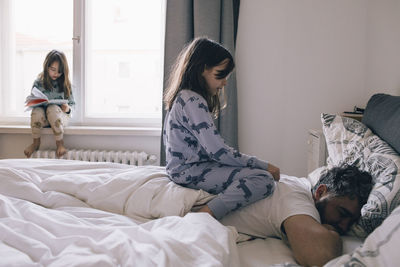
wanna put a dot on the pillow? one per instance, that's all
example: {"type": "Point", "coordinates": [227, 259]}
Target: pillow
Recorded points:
{"type": "Point", "coordinates": [313, 177]}
{"type": "Point", "coordinates": [382, 116]}
{"type": "Point", "coordinates": [383, 163]}
{"type": "Point", "coordinates": [345, 139]}
{"type": "Point", "coordinates": [379, 249]}
{"type": "Point", "coordinates": [351, 142]}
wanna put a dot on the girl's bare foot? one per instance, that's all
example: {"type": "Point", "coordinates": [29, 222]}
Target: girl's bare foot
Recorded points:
{"type": "Point", "coordinates": [61, 150]}
{"type": "Point", "coordinates": [206, 209]}
{"type": "Point", "coordinates": [32, 148]}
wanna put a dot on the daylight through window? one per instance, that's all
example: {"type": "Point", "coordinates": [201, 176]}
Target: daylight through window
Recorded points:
{"type": "Point", "coordinates": [115, 59]}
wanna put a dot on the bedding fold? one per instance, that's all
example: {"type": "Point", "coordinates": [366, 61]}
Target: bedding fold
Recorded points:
{"type": "Point", "coordinates": [69, 213]}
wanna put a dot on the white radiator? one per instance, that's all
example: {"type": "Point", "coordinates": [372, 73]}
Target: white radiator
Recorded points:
{"type": "Point", "coordinates": [124, 157]}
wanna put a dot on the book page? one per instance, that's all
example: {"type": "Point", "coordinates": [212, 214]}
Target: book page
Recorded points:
{"type": "Point", "coordinates": [37, 98]}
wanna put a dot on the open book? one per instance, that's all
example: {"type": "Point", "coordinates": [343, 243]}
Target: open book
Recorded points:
{"type": "Point", "coordinates": [37, 98]}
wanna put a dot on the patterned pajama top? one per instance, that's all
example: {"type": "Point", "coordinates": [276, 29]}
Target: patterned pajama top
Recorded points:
{"type": "Point", "coordinates": [191, 137]}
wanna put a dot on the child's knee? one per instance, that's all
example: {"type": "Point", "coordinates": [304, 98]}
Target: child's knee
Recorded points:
{"type": "Point", "coordinates": [53, 110]}
{"type": "Point", "coordinates": [54, 114]}
{"type": "Point", "coordinates": [264, 182]}
{"type": "Point", "coordinates": [37, 115]}
{"type": "Point", "coordinates": [270, 187]}
{"type": "Point", "coordinates": [270, 182]}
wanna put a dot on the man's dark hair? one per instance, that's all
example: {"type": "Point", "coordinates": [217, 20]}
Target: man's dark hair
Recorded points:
{"type": "Point", "coordinates": [347, 180]}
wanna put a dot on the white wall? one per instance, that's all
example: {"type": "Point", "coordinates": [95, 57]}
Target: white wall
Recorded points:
{"type": "Point", "coordinates": [299, 58]}
{"type": "Point", "coordinates": [383, 42]}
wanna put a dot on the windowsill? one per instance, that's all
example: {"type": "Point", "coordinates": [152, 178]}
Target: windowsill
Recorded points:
{"type": "Point", "coordinates": [85, 130]}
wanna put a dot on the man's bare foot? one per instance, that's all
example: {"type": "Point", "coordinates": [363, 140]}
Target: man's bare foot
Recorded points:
{"type": "Point", "coordinates": [206, 209]}
{"type": "Point", "coordinates": [61, 150]}
{"type": "Point", "coordinates": [32, 148]}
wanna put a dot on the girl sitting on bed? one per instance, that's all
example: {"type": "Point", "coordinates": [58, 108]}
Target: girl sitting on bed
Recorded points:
{"type": "Point", "coordinates": [196, 155]}
{"type": "Point", "coordinates": [53, 82]}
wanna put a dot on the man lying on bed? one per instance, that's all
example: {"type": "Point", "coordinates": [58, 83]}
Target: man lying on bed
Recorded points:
{"type": "Point", "coordinates": [309, 219]}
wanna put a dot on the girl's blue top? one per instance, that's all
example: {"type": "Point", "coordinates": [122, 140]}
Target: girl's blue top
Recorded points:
{"type": "Point", "coordinates": [191, 137]}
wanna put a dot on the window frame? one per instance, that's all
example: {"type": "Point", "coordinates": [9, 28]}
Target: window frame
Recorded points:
{"type": "Point", "coordinates": [79, 38]}
{"type": "Point", "coordinates": [80, 82]}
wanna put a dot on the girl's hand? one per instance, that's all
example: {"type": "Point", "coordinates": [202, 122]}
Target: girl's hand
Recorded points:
{"type": "Point", "coordinates": [65, 107]}
{"type": "Point", "coordinates": [275, 171]}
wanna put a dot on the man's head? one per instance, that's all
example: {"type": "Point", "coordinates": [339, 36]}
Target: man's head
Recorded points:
{"type": "Point", "coordinates": [340, 194]}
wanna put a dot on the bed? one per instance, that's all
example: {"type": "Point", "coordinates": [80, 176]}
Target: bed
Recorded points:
{"type": "Point", "coordinates": [76, 213]}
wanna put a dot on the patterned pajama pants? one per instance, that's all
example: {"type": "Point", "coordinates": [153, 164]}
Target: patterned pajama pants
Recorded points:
{"type": "Point", "coordinates": [53, 116]}
{"type": "Point", "coordinates": [236, 186]}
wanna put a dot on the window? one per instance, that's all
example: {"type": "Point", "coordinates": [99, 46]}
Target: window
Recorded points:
{"type": "Point", "coordinates": [26, 37]}
{"type": "Point", "coordinates": [115, 57]}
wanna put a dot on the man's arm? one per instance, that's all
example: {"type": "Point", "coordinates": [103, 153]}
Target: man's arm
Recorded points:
{"type": "Point", "coordinates": [311, 243]}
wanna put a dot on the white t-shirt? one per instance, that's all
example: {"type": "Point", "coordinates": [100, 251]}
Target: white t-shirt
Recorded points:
{"type": "Point", "coordinates": [292, 196]}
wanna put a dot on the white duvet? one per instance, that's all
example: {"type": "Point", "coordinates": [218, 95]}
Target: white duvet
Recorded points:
{"type": "Point", "coordinates": [72, 213]}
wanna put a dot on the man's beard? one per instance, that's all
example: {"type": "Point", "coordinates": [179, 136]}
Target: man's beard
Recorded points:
{"type": "Point", "coordinates": [321, 207]}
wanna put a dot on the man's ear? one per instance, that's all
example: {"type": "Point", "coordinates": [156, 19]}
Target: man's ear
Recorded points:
{"type": "Point", "coordinates": [321, 191]}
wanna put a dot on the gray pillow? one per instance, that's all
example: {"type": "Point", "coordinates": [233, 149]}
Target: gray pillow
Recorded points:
{"type": "Point", "coordinates": [382, 116]}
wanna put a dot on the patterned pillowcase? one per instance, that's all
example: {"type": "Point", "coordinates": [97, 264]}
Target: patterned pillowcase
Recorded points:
{"type": "Point", "coordinates": [351, 142]}
{"type": "Point", "coordinates": [345, 140]}
{"type": "Point", "coordinates": [379, 249]}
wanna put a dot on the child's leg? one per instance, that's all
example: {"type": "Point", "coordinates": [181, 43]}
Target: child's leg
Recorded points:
{"type": "Point", "coordinates": [38, 121]}
{"type": "Point", "coordinates": [61, 150]}
{"type": "Point", "coordinates": [32, 147]}
{"type": "Point", "coordinates": [57, 119]}
{"type": "Point", "coordinates": [236, 187]}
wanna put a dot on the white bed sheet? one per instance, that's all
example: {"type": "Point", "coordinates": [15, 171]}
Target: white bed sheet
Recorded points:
{"type": "Point", "coordinates": [264, 252]}
{"type": "Point", "coordinates": [273, 251]}
{"type": "Point", "coordinates": [68, 213]}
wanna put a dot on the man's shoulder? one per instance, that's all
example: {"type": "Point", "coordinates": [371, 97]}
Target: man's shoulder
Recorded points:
{"type": "Point", "coordinates": [264, 218]}
{"type": "Point", "coordinates": [293, 191]}
{"type": "Point", "coordinates": [295, 197]}
{"type": "Point", "coordinates": [294, 183]}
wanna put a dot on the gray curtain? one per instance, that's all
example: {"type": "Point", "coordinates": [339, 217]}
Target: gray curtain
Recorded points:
{"type": "Point", "coordinates": [216, 19]}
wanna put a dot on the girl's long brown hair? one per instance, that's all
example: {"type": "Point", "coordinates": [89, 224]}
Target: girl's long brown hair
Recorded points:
{"type": "Point", "coordinates": [63, 81]}
{"type": "Point", "coordinates": [187, 71]}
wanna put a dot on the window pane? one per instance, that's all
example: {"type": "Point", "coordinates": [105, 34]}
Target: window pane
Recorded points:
{"type": "Point", "coordinates": [34, 28]}
{"type": "Point", "coordinates": [124, 58]}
